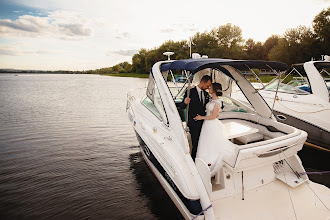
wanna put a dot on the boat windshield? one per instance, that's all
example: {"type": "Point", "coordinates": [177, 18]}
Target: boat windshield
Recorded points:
{"type": "Point", "coordinates": [178, 93]}
{"type": "Point", "coordinates": [325, 73]}
{"type": "Point", "coordinates": [178, 88]}
{"type": "Point", "coordinates": [296, 86]}
{"type": "Point", "coordinates": [178, 83]}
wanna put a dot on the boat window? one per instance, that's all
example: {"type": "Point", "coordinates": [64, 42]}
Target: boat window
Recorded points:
{"type": "Point", "coordinates": [217, 76]}
{"type": "Point", "coordinates": [237, 101]}
{"type": "Point", "coordinates": [295, 86]}
{"type": "Point", "coordinates": [177, 94]}
{"type": "Point", "coordinates": [325, 73]}
{"type": "Point", "coordinates": [150, 105]}
{"type": "Point", "coordinates": [295, 82]}
{"type": "Point", "coordinates": [229, 103]}
{"type": "Point", "coordinates": [225, 81]}
{"type": "Point", "coordinates": [177, 83]}
{"type": "Point", "coordinates": [153, 100]}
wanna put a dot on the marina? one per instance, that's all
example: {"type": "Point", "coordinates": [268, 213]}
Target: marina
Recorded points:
{"type": "Point", "coordinates": [265, 155]}
{"type": "Point", "coordinates": [303, 103]}
{"type": "Point", "coordinates": [178, 116]}
{"type": "Point", "coordinates": [69, 163]}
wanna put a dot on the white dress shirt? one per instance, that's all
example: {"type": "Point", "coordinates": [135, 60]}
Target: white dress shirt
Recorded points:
{"type": "Point", "coordinates": [201, 95]}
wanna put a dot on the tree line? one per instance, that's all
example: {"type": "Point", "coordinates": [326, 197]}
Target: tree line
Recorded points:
{"type": "Point", "coordinates": [297, 45]}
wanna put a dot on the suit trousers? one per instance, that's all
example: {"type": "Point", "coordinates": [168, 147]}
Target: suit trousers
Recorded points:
{"type": "Point", "coordinates": [195, 130]}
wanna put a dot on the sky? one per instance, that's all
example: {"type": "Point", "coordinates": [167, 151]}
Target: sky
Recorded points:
{"type": "Point", "coordinates": [93, 34]}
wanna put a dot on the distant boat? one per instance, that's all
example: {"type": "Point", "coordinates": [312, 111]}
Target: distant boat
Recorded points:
{"type": "Point", "coordinates": [263, 178]}
{"type": "Point", "coordinates": [303, 102]}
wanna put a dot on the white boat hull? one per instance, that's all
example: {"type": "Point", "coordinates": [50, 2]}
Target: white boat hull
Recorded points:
{"type": "Point", "coordinates": [168, 184]}
{"type": "Point", "coordinates": [261, 178]}
{"type": "Point", "coordinates": [295, 203]}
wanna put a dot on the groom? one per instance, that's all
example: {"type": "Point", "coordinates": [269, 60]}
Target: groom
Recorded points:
{"type": "Point", "coordinates": [197, 102]}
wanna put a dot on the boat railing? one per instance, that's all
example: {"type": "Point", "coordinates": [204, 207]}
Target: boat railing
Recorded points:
{"type": "Point", "coordinates": [134, 94]}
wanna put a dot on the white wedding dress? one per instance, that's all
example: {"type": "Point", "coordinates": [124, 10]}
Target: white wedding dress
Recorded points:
{"type": "Point", "coordinates": [213, 144]}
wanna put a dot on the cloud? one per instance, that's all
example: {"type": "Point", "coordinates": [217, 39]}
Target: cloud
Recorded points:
{"type": "Point", "coordinates": [123, 52]}
{"type": "Point", "coordinates": [168, 30]}
{"type": "Point", "coordinates": [191, 29]}
{"type": "Point", "coordinates": [55, 25]}
{"type": "Point", "coordinates": [19, 50]}
{"type": "Point", "coordinates": [75, 29]}
{"type": "Point", "coordinates": [124, 35]}
{"type": "Point", "coordinates": [175, 28]}
{"type": "Point", "coordinates": [9, 50]}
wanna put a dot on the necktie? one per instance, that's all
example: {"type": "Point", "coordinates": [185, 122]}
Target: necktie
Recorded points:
{"type": "Point", "coordinates": [202, 100]}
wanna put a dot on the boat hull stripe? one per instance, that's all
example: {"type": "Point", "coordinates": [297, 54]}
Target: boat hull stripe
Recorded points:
{"type": "Point", "coordinates": [193, 206]}
{"type": "Point", "coordinates": [317, 137]}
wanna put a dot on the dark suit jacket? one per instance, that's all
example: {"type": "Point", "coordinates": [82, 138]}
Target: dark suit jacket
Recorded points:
{"type": "Point", "coordinates": [195, 107]}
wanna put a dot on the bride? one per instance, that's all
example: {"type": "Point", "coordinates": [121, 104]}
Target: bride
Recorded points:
{"type": "Point", "coordinates": [213, 143]}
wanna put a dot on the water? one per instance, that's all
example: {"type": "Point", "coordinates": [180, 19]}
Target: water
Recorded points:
{"type": "Point", "coordinates": [67, 151]}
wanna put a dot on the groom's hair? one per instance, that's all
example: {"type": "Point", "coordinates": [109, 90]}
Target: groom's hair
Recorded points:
{"type": "Point", "coordinates": [206, 78]}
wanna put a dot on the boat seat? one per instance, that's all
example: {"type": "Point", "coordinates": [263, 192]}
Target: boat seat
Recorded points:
{"type": "Point", "coordinates": [250, 138]}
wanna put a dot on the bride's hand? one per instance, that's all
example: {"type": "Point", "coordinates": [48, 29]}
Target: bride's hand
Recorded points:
{"type": "Point", "coordinates": [198, 117]}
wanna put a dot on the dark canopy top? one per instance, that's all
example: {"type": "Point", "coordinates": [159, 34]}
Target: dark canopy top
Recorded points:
{"type": "Point", "coordinates": [194, 65]}
{"type": "Point", "coordinates": [321, 65]}
{"type": "Point", "coordinates": [318, 64]}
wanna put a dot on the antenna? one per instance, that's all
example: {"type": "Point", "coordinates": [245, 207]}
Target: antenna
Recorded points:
{"type": "Point", "coordinates": [190, 47]}
{"type": "Point", "coordinates": [168, 54]}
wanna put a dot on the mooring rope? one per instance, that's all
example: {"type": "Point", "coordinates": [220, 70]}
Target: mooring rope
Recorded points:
{"type": "Point", "coordinates": [307, 183]}
{"type": "Point", "coordinates": [204, 210]}
{"type": "Point", "coordinates": [320, 172]}
{"type": "Point", "coordinates": [294, 210]}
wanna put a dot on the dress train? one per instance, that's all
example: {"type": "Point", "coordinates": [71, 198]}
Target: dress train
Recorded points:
{"type": "Point", "coordinates": [213, 145]}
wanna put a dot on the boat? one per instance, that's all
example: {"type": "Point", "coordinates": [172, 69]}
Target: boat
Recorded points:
{"type": "Point", "coordinates": [303, 103]}
{"type": "Point", "coordinates": [263, 178]}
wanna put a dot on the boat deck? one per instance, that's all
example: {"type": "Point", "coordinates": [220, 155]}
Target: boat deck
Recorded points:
{"type": "Point", "coordinates": [294, 203]}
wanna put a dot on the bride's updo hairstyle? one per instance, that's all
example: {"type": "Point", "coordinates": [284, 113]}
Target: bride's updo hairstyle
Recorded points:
{"type": "Point", "coordinates": [217, 88]}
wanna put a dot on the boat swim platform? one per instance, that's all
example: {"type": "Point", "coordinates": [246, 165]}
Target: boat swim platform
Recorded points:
{"type": "Point", "coordinates": [298, 203]}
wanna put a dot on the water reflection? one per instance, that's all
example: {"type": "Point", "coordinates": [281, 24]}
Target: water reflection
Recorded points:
{"type": "Point", "coordinates": [315, 160]}
{"type": "Point", "coordinates": [158, 201]}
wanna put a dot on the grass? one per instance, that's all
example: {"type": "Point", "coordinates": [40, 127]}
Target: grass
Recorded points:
{"type": "Point", "coordinates": [267, 78]}
{"type": "Point", "coordinates": [127, 75]}
{"type": "Point", "coordinates": [251, 78]}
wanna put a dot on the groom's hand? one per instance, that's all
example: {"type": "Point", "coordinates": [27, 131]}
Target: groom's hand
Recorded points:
{"type": "Point", "coordinates": [186, 101]}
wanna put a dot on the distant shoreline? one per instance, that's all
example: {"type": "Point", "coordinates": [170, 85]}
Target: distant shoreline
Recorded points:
{"type": "Point", "coordinates": [136, 75]}
{"type": "Point", "coordinates": [36, 72]}
{"type": "Point", "coordinates": [263, 78]}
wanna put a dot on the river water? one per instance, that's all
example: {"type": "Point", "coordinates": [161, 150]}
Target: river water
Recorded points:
{"type": "Point", "coordinates": [67, 151]}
